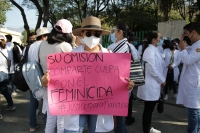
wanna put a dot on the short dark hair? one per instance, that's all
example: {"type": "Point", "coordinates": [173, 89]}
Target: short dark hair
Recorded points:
{"type": "Point", "coordinates": [192, 26]}
{"type": "Point", "coordinates": [132, 39]}
{"type": "Point", "coordinates": [167, 43]}
{"type": "Point", "coordinates": [123, 27]}
{"type": "Point", "coordinates": [40, 37]}
{"type": "Point", "coordinates": [59, 37]}
{"type": "Point", "coordinates": [32, 34]}
{"type": "Point", "coordinates": [150, 36]}
{"type": "Point", "coordinates": [9, 37]}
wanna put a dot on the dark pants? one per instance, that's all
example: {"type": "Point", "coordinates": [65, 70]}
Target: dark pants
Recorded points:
{"type": "Point", "coordinates": [170, 83]}
{"type": "Point", "coordinates": [11, 78]}
{"type": "Point", "coordinates": [130, 107]}
{"type": "Point", "coordinates": [121, 127]}
{"type": "Point", "coordinates": [147, 115]}
{"type": "Point", "coordinates": [4, 91]}
{"type": "Point", "coordinates": [33, 105]}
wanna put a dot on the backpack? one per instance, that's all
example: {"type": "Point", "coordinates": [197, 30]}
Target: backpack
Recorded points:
{"type": "Point", "coordinates": [19, 80]}
{"type": "Point", "coordinates": [33, 73]}
{"type": "Point", "coordinates": [16, 54]}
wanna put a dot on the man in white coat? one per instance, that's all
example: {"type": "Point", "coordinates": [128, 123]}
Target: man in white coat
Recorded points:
{"type": "Point", "coordinates": [189, 86]}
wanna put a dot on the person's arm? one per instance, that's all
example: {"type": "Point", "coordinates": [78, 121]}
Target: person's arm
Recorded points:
{"type": "Point", "coordinates": [134, 52]}
{"type": "Point", "coordinates": [177, 61]}
{"type": "Point", "coordinates": [66, 47]}
{"type": "Point", "coordinates": [189, 59]}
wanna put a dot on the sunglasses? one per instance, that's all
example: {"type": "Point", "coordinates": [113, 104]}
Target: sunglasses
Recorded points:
{"type": "Point", "coordinates": [95, 33]}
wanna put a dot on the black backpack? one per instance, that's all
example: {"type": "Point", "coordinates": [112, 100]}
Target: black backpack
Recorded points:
{"type": "Point", "coordinates": [19, 80]}
{"type": "Point", "coordinates": [16, 54]}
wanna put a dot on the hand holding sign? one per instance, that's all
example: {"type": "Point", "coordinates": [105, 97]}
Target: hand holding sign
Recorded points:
{"type": "Point", "coordinates": [88, 83]}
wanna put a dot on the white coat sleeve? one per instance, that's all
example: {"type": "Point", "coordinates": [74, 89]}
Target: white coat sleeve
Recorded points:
{"type": "Point", "coordinates": [189, 59]}
{"type": "Point", "coordinates": [177, 61]}
{"type": "Point", "coordinates": [151, 67]}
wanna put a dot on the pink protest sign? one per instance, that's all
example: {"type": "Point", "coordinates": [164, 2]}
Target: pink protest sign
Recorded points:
{"type": "Point", "coordinates": [88, 83]}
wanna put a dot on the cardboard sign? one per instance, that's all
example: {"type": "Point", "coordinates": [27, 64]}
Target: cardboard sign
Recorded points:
{"type": "Point", "coordinates": [88, 83]}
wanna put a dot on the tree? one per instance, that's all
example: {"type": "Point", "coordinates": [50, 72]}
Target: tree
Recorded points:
{"type": "Point", "coordinates": [4, 6]}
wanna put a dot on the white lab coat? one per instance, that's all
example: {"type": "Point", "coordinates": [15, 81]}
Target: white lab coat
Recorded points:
{"type": "Point", "coordinates": [167, 56]}
{"type": "Point", "coordinates": [154, 74]}
{"type": "Point", "coordinates": [189, 85]}
{"type": "Point", "coordinates": [104, 123]}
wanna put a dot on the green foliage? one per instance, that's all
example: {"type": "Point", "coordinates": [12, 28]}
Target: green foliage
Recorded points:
{"type": "Point", "coordinates": [4, 6]}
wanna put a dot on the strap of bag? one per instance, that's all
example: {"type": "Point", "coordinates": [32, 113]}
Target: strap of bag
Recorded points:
{"type": "Point", "coordinates": [130, 51]}
{"type": "Point", "coordinates": [4, 56]}
{"type": "Point", "coordinates": [25, 58]}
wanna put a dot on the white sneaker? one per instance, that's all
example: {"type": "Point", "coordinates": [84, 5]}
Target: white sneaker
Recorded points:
{"type": "Point", "coordinates": [166, 97]}
{"type": "Point", "coordinates": [152, 130]}
{"type": "Point", "coordinates": [175, 96]}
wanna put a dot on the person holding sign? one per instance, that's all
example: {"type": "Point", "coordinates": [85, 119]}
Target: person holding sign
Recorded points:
{"type": "Point", "coordinates": [91, 32]}
{"type": "Point", "coordinates": [60, 40]}
{"type": "Point", "coordinates": [154, 79]}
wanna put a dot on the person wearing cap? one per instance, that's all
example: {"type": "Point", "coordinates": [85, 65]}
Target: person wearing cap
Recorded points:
{"type": "Point", "coordinates": [91, 32]}
{"type": "Point", "coordinates": [4, 56]}
{"type": "Point", "coordinates": [60, 40]}
{"type": "Point", "coordinates": [41, 35]}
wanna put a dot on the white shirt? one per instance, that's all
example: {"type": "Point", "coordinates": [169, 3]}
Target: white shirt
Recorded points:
{"type": "Point", "coordinates": [167, 54]}
{"type": "Point", "coordinates": [9, 46]}
{"type": "Point", "coordinates": [189, 85]}
{"type": "Point", "coordinates": [3, 61]}
{"type": "Point", "coordinates": [154, 74]}
{"type": "Point", "coordinates": [33, 51]}
{"type": "Point", "coordinates": [160, 49]}
{"type": "Point", "coordinates": [140, 49]}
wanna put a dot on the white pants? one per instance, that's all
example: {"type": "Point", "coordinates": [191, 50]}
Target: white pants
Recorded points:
{"type": "Point", "coordinates": [52, 122]}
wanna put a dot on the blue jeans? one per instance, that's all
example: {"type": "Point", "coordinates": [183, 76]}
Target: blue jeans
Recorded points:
{"type": "Point", "coordinates": [90, 120]}
{"type": "Point", "coordinates": [11, 78]}
{"type": "Point", "coordinates": [121, 127]}
{"type": "Point", "coordinates": [193, 120]}
{"type": "Point", "coordinates": [4, 91]}
{"type": "Point", "coordinates": [33, 105]}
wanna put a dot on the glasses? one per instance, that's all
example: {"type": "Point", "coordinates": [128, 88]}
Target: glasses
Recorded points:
{"type": "Point", "coordinates": [95, 33]}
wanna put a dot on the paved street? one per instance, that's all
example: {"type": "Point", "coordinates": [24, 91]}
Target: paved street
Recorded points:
{"type": "Point", "coordinates": [173, 120]}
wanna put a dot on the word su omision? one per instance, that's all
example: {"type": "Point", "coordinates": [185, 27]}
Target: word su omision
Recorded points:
{"type": "Point", "coordinates": [75, 57]}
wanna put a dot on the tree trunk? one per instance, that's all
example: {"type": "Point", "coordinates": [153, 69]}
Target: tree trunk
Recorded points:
{"type": "Point", "coordinates": [26, 26]}
{"type": "Point", "coordinates": [39, 20]}
{"type": "Point", "coordinates": [46, 12]}
{"type": "Point", "coordinates": [198, 4]}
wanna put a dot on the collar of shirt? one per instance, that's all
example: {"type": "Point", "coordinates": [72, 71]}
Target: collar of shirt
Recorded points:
{"type": "Point", "coordinates": [117, 43]}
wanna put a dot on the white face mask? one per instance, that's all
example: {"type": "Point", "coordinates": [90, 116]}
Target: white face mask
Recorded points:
{"type": "Point", "coordinates": [91, 42]}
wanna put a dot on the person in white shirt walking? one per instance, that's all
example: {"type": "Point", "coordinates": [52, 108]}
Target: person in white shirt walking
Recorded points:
{"type": "Point", "coordinates": [189, 85]}
{"type": "Point", "coordinates": [42, 34]}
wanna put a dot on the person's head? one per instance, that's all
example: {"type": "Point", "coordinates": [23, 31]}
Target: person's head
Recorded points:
{"type": "Point", "coordinates": [166, 44]}
{"type": "Point", "coordinates": [133, 40]}
{"type": "Point", "coordinates": [176, 40]}
{"type": "Point", "coordinates": [153, 38]}
{"type": "Point", "coordinates": [62, 32]}
{"type": "Point", "coordinates": [91, 31]}
{"type": "Point", "coordinates": [32, 38]}
{"type": "Point", "coordinates": [120, 30]}
{"type": "Point", "coordinates": [42, 33]}
{"type": "Point", "coordinates": [172, 46]}
{"type": "Point", "coordinates": [9, 38]}
{"type": "Point", "coordinates": [192, 30]}
{"type": "Point", "coordinates": [2, 41]}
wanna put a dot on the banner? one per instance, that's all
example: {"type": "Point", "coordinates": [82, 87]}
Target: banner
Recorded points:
{"type": "Point", "coordinates": [88, 83]}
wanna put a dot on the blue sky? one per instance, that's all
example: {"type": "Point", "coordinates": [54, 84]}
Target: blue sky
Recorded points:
{"type": "Point", "coordinates": [15, 20]}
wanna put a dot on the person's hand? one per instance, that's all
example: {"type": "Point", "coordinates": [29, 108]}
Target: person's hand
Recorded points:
{"type": "Point", "coordinates": [182, 44]}
{"type": "Point", "coordinates": [45, 79]}
{"type": "Point", "coordinates": [163, 84]}
{"type": "Point", "coordinates": [130, 84]}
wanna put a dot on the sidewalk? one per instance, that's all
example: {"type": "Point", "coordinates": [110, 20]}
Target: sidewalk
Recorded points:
{"type": "Point", "coordinates": [173, 120]}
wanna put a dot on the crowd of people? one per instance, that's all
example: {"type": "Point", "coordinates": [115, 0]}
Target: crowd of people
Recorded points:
{"type": "Point", "coordinates": [165, 63]}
